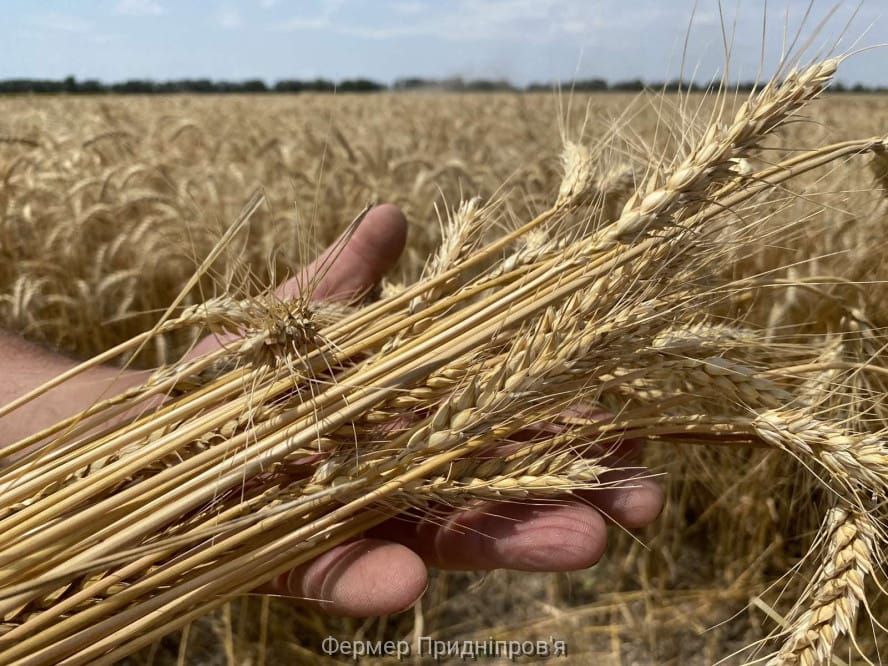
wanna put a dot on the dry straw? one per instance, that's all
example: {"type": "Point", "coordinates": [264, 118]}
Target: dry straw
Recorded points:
{"type": "Point", "coordinates": [144, 512]}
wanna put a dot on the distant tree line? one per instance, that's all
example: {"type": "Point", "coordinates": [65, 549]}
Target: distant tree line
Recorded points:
{"type": "Point", "coordinates": [72, 86]}
{"type": "Point", "coordinates": [676, 85]}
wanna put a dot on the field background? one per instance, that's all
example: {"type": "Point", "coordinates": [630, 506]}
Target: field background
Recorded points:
{"type": "Point", "coordinates": [107, 204]}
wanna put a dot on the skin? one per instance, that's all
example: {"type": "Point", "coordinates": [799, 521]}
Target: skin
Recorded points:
{"type": "Point", "coordinates": [386, 570]}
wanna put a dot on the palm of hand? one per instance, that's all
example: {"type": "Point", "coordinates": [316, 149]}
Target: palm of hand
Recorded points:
{"type": "Point", "coordinates": [385, 570]}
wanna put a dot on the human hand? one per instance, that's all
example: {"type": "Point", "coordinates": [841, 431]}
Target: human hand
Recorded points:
{"type": "Point", "coordinates": [385, 571]}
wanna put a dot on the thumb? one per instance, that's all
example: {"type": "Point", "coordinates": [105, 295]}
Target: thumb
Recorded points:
{"type": "Point", "coordinates": [345, 271]}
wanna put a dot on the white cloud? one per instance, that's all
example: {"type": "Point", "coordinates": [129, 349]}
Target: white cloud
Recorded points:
{"type": "Point", "coordinates": [302, 23]}
{"type": "Point", "coordinates": [468, 20]}
{"type": "Point", "coordinates": [330, 7]}
{"type": "Point", "coordinates": [267, 4]}
{"type": "Point", "coordinates": [406, 7]}
{"type": "Point", "coordinates": [139, 8]}
{"type": "Point", "coordinates": [323, 20]}
{"type": "Point", "coordinates": [705, 20]}
{"type": "Point", "coordinates": [229, 18]}
{"type": "Point", "coordinates": [61, 22]}
{"type": "Point", "coordinates": [103, 38]}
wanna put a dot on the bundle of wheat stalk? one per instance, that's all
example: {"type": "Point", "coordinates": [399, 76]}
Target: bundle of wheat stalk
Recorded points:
{"type": "Point", "coordinates": [228, 469]}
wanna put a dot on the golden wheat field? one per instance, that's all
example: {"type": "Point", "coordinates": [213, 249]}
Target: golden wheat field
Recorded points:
{"type": "Point", "coordinates": [708, 269]}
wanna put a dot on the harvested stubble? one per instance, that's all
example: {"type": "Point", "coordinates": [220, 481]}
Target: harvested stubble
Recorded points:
{"type": "Point", "coordinates": [113, 536]}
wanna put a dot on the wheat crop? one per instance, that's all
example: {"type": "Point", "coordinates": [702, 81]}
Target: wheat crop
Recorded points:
{"type": "Point", "coordinates": [661, 285]}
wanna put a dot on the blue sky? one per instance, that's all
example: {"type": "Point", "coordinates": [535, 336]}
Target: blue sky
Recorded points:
{"type": "Point", "coordinates": [521, 40]}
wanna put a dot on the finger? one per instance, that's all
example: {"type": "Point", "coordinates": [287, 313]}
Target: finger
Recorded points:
{"type": "Point", "coordinates": [346, 271]}
{"type": "Point", "coordinates": [632, 503]}
{"type": "Point", "coordinates": [562, 537]}
{"type": "Point", "coordinates": [622, 452]}
{"type": "Point", "coordinates": [362, 578]}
